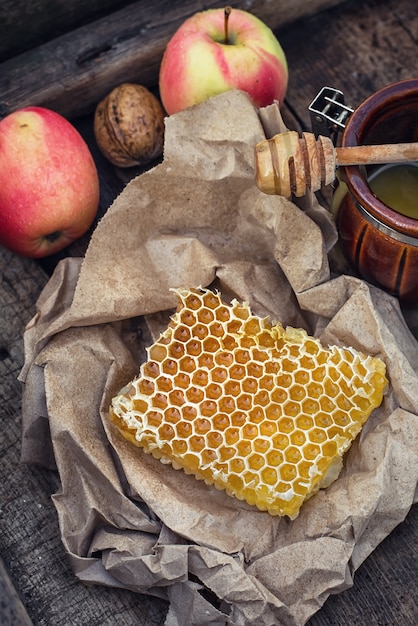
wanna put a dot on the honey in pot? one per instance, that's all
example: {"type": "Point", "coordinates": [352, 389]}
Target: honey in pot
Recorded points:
{"type": "Point", "coordinates": [397, 186]}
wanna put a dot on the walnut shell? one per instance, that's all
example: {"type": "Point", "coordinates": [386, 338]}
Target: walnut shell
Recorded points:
{"type": "Point", "coordinates": [129, 126]}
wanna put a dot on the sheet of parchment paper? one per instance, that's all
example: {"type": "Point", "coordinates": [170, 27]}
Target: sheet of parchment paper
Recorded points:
{"type": "Point", "coordinates": [128, 520]}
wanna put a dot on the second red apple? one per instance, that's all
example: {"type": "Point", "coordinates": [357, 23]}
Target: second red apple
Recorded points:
{"type": "Point", "coordinates": [218, 50]}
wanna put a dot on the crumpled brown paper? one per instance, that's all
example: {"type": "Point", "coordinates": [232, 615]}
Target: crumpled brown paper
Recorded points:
{"type": "Point", "coordinates": [126, 519]}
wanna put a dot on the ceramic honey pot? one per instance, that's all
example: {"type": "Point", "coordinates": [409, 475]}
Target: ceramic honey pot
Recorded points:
{"type": "Point", "coordinates": [376, 201]}
{"type": "Point", "coordinates": [378, 225]}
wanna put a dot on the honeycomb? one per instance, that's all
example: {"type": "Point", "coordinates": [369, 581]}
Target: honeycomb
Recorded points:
{"type": "Point", "coordinates": [263, 412]}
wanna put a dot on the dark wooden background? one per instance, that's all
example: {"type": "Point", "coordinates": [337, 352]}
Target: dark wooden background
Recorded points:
{"type": "Point", "coordinates": [355, 46]}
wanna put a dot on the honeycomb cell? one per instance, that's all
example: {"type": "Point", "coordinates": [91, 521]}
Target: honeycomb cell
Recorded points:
{"type": "Point", "coordinates": [224, 358]}
{"type": "Point", "coordinates": [302, 378]}
{"type": "Point", "coordinates": [310, 407]}
{"type": "Point", "coordinates": [266, 340]}
{"type": "Point", "coordinates": [151, 369]}
{"type": "Point", "coordinates": [176, 350]}
{"type": "Point", "coordinates": [250, 385]}
{"type": "Point", "coordinates": [305, 422]}
{"type": "Point", "coordinates": [317, 435]}
{"type": "Point", "coordinates": [297, 393]}
{"type": "Point", "coordinates": [234, 326]}
{"type": "Point", "coordinates": [262, 398]}
{"type": "Point", "coordinates": [279, 395]}
{"type": "Point", "coordinates": [166, 431]}
{"type": "Point", "coordinates": [327, 404]}
{"type": "Point", "coordinates": [158, 352]}
{"type": "Point", "coordinates": [169, 367]}
{"type": "Point", "coordinates": [211, 344]}
{"type": "Point", "coordinates": [250, 431]}
{"type": "Point", "coordinates": [200, 378]}
{"type": "Point", "coordinates": [206, 360]}
{"type": "Point", "coordinates": [268, 429]}
{"type": "Point", "coordinates": [244, 402]}
{"type": "Point", "coordinates": [292, 409]}
{"type": "Point", "coordinates": [324, 420]}
{"type": "Point", "coordinates": [280, 441]}
{"type": "Point", "coordinates": [267, 383]}
{"type": "Point", "coordinates": [254, 369]}
{"type": "Point", "coordinates": [182, 333]}
{"type": "Point", "coordinates": [311, 451]}
{"type": "Point", "coordinates": [238, 418]}
{"type": "Point", "coordinates": [298, 438]}
{"type": "Point", "coordinates": [274, 458]}
{"type": "Point", "coordinates": [140, 406]}
{"type": "Point", "coordinates": [231, 436]}
{"type": "Point", "coordinates": [253, 408]}
{"type": "Point", "coordinates": [232, 388]}
{"type": "Point", "coordinates": [193, 347]}
{"type": "Point", "coordinates": [187, 364]}
{"type": "Point", "coordinates": [180, 446]}
{"type": "Point", "coordinates": [228, 343]}
{"type": "Point", "coordinates": [155, 418]}
{"type": "Point", "coordinates": [188, 412]}
{"type": "Point", "coordinates": [210, 300]}
{"type": "Point", "coordinates": [244, 448]}
{"type": "Point", "coordinates": [159, 401]}
{"type": "Point", "coordinates": [221, 421]}
{"type": "Point", "coordinates": [188, 318]}
{"type": "Point", "coordinates": [262, 445]}
{"type": "Point", "coordinates": [292, 455]}
{"type": "Point", "coordinates": [202, 426]}
{"type": "Point", "coordinates": [256, 415]}
{"type": "Point", "coordinates": [182, 380]}
{"type": "Point", "coordinates": [172, 414]}
{"type": "Point", "coordinates": [184, 429]}
{"type": "Point", "coordinates": [201, 331]}
{"type": "Point", "coordinates": [146, 387]}
{"type": "Point", "coordinates": [193, 302]}
{"type": "Point", "coordinates": [288, 472]}
{"type": "Point", "coordinates": [222, 313]}
{"type": "Point", "coordinates": [226, 453]}
{"type": "Point", "coordinates": [164, 383]}
{"type": "Point", "coordinates": [194, 394]}
{"type": "Point", "coordinates": [341, 418]}
{"type": "Point", "coordinates": [197, 443]}
{"type": "Point", "coordinates": [256, 462]}
{"type": "Point", "coordinates": [242, 356]}
{"type": "Point", "coordinates": [214, 439]}
{"type": "Point", "coordinates": [176, 397]}
{"type": "Point", "coordinates": [269, 476]}
{"type": "Point", "coordinates": [272, 411]}
{"type": "Point", "coordinates": [237, 372]}
{"type": "Point", "coordinates": [208, 408]}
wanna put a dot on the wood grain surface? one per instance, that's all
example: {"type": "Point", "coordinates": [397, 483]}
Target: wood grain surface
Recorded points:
{"type": "Point", "coordinates": [357, 47]}
{"type": "Point", "coordinates": [71, 73]}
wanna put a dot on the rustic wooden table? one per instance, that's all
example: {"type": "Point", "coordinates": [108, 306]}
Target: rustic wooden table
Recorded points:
{"type": "Point", "coordinates": [355, 46]}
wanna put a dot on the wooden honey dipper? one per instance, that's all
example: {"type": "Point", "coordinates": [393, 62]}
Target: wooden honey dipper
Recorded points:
{"type": "Point", "coordinates": [290, 164]}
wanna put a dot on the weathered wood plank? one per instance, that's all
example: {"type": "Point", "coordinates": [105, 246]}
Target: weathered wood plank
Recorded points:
{"type": "Point", "coordinates": [357, 48]}
{"type": "Point", "coordinates": [73, 72]}
{"type": "Point", "coordinates": [25, 24]}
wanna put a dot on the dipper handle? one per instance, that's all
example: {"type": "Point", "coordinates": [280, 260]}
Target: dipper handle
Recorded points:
{"type": "Point", "coordinates": [290, 164]}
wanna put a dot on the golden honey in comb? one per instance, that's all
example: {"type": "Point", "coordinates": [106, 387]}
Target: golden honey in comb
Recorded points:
{"type": "Point", "coordinates": [263, 412]}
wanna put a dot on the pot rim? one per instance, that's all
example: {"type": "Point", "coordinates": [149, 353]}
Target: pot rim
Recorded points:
{"type": "Point", "coordinates": [353, 176]}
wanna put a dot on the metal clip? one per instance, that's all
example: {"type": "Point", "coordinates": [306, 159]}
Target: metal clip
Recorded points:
{"type": "Point", "coordinates": [328, 112]}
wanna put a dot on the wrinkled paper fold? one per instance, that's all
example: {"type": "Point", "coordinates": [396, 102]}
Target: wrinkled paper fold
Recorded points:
{"type": "Point", "coordinates": [197, 219]}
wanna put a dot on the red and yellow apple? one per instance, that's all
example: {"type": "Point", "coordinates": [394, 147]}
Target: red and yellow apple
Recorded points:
{"type": "Point", "coordinates": [218, 50]}
{"type": "Point", "coordinates": [49, 186]}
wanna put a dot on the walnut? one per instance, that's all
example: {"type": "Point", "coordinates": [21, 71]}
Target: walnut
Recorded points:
{"type": "Point", "coordinates": [129, 126]}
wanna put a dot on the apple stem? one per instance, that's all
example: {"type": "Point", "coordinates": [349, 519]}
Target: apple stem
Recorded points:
{"type": "Point", "coordinates": [227, 13]}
